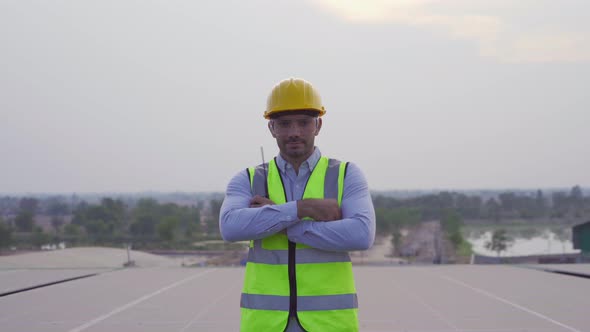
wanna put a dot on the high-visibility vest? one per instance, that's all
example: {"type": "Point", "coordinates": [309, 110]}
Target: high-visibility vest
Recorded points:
{"type": "Point", "coordinates": [285, 279]}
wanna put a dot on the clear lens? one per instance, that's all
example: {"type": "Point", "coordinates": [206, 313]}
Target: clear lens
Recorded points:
{"type": "Point", "coordinates": [303, 125]}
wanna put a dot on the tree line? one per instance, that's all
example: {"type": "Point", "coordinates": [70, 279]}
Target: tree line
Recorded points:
{"type": "Point", "coordinates": [504, 207]}
{"type": "Point", "coordinates": [148, 222]}
{"type": "Point", "coordinates": [455, 209]}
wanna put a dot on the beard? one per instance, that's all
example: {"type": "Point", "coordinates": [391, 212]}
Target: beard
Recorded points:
{"type": "Point", "coordinates": [296, 148]}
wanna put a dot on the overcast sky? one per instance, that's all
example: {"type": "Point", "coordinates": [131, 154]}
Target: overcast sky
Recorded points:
{"type": "Point", "coordinates": [121, 95]}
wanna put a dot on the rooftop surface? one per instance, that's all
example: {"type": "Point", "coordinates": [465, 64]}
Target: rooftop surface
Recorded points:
{"type": "Point", "coordinates": [162, 296]}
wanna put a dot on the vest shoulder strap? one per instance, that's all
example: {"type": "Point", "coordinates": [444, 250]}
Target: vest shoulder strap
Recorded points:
{"type": "Point", "coordinates": [257, 177]}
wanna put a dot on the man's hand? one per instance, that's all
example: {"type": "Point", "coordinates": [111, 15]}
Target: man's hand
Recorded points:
{"type": "Point", "coordinates": [259, 201]}
{"type": "Point", "coordinates": [319, 209]}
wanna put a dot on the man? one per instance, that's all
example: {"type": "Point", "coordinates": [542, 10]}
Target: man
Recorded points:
{"type": "Point", "coordinates": [302, 213]}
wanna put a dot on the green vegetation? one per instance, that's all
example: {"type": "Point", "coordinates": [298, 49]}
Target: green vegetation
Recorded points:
{"type": "Point", "coordinates": [151, 224]}
{"type": "Point", "coordinates": [451, 225]}
{"type": "Point", "coordinates": [5, 234]}
{"type": "Point", "coordinates": [455, 211]}
{"type": "Point", "coordinates": [24, 221]}
{"type": "Point", "coordinates": [145, 223]}
{"type": "Point", "coordinates": [501, 208]}
{"type": "Point", "coordinates": [464, 249]}
{"type": "Point", "coordinates": [500, 241]}
{"type": "Point", "coordinates": [39, 237]}
{"type": "Point", "coordinates": [391, 221]}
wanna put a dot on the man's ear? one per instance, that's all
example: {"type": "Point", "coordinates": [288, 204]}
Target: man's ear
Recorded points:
{"type": "Point", "coordinates": [318, 125]}
{"type": "Point", "coordinates": [271, 127]}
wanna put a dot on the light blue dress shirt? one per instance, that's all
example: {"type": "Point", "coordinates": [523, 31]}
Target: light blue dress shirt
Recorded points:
{"type": "Point", "coordinates": [355, 231]}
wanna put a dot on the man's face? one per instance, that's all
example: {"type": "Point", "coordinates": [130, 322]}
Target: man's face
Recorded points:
{"type": "Point", "coordinates": [295, 135]}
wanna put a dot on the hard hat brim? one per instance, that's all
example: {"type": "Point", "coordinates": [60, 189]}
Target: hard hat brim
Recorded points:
{"type": "Point", "coordinates": [311, 112]}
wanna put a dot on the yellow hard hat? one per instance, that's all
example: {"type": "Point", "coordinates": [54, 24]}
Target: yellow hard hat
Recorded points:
{"type": "Point", "coordinates": [293, 94]}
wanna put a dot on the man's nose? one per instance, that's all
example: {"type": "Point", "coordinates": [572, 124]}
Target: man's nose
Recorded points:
{"type": "Point", "coordinates": [294, 130]}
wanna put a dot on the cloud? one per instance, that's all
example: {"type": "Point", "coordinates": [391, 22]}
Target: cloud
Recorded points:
{"type": "Point", "coordinates": [501, 37]}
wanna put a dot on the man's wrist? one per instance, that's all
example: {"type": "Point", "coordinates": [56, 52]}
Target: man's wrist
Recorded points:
{"type": "Point", "coordinates": [302, 209]}
{"type": "Point", "coordinates": [290, 208]}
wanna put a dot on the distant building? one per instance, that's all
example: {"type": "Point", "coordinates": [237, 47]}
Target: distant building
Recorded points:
{"type": "Point", "coordinates": [581, 237]}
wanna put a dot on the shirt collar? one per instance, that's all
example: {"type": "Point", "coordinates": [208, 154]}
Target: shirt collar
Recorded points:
{"type": "Point", "coordinates": [311, 161]}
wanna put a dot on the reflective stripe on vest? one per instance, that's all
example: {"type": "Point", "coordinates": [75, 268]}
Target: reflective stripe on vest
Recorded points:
{"type": "Point", "coordinates": [304, 303]}
{"type": "Point", "coordinates": [304, 255]}
{"type": "Point", "coordinates": [324, 280]}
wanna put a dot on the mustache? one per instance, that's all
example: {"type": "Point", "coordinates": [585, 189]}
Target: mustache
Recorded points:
{"type": "Point", "coordinates": [295, 140]}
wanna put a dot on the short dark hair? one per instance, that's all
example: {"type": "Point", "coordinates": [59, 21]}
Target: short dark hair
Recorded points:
{"type": "Point", "coordinates": [277, 115]}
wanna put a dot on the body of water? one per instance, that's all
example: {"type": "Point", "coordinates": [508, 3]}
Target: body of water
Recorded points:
{"type": "Point", "coordinates": [530, 241]}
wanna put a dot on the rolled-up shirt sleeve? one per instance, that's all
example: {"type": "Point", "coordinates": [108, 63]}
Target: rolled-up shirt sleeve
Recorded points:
{"type": "Point", "coordinates": [239, 222]}
{"type": "Point", "coordinates": [356, 229]}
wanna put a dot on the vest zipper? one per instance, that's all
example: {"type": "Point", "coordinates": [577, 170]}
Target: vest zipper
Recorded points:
{"type": "Point", "coordinates": [292, 281]}
{"type": "Point", "coordinates": [293, 287]}
{"type": "Point", "coordinates": [291, 264]}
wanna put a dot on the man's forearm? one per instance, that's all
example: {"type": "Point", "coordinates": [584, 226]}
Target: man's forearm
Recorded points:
{"type": "Point", "coordinates": [342, 235]}
{"type": "Point", "coordinates": [238, 222]}
{"type": "Point", "coordinates": [256, 223]}
{"type": "Point", "coordinates": [319, 209]}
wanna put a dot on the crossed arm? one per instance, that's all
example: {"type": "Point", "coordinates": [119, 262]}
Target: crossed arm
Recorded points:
{"type": "Point", "coordinates": [346, 228]}
{"type": "Point", "coordinates": [316, 209]}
